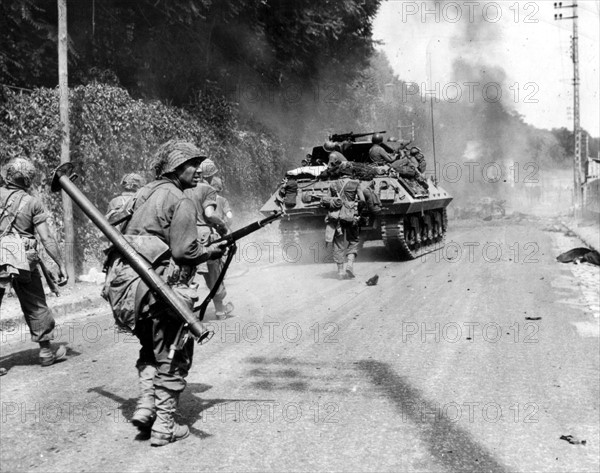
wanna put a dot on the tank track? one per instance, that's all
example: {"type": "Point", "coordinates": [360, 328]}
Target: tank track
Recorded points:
{"type": "Point", "coordinates": [406, 241]}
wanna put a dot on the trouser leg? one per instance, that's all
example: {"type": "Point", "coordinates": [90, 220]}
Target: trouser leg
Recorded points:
{"type": "Point", "coordinates": [169, 380]}
{"type": "Point", "coordinates": [352, 232]}
{"type": "Point", "coordinates": [214, 270]}
{"type": "Point", "coordinates": [338, 247]}
{"type": "Point", "coordinates": [145, 411]}
{"type": "Point", "coordinates": [35, 309]}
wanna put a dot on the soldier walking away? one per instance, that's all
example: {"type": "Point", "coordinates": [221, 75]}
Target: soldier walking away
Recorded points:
{"type": "Point", "coordinates": [210, 226]}
{"type": "Point", "coordinates": [130, 184]}
{"type": "Point", "coordinates": [343, 220]}
{"type": "Point", "coordinates": [22, 216]}
{"type": "Point", "coordinates": [162, 218]}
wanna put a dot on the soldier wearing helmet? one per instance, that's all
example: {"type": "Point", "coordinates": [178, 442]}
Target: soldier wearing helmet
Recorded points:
{"type": "Point", "coordinates": [342, 228]}
{"type": "Point", "coordinates": [22, 217]}
{"type": "Point", "coordinates": [130, 184]}
{"type": "Point", "coordinates": [418, 159]}
{"type": "Point", "coordinates": [379, 153]}
{"type": "Point", "coordinates": [161, 211]}
{"type": "Point", "coordinates": [209, 225]}
{"type": "Point", "coordinates": [223, 207]}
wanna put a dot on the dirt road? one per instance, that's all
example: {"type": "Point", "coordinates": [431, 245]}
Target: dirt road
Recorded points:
{"type": "Point", "coordinates": [476, 358]}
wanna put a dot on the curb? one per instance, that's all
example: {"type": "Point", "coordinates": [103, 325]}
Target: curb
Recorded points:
{"type": "Point", "coordinates": [586, 239]}
{"type": "Point", "coordinates": [59, 309]}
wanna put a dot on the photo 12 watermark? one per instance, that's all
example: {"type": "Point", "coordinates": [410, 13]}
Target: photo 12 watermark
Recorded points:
{"type": "Point", "coordinates": [468, 11]}
{"type": "Point", "coordinates": [472, 332]}
{"type": "Point", "coordinates": [270, 411]}
{"type": "Point", "coordinates": [472, 412]}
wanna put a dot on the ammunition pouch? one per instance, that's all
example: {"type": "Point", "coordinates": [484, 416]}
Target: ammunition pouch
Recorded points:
{"type": "Point", "coordinates": [18, 258]}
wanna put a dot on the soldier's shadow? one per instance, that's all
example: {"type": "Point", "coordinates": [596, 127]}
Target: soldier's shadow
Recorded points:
{"type": "Point", "coordinates": [31, 357]}
{"type": "Point", "coordinates": [190, 409]}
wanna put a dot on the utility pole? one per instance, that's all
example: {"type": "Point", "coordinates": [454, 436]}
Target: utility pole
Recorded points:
{"type": "Point", "coordinates": [577, 178]}
{"type": "Point", "coordinates": [63, 88]}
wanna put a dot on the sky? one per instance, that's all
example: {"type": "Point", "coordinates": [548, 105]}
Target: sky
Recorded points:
{"type": "Point", "coordinates": [520, 37]}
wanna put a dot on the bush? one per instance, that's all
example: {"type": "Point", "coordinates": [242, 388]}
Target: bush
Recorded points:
{"type": "Point", "coordinates": [112, 134]}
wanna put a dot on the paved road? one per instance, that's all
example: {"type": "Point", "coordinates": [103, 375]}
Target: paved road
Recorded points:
{"type": "Point", "coordinates": [478, 358]}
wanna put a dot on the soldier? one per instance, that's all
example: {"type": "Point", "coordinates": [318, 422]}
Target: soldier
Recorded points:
{"type": "Point", "coordinates": [130, 184]}
{"type": "Point", "coordinates": [223, 208]}
{"type": "Point", "coordinates": [22, 216]}
{"type": "Point", "coordinates": [418, 159]}
{"type": "Point", "coordinates": [343, 223]}
{"type": "Point", "coordinates": [412, 166]}
{"type": "Point", "coordinates": [204, 197]}
{"type": "Point", "coordinates": [162, 215]}
{"type": "Point", "coordinates": [378, 152]}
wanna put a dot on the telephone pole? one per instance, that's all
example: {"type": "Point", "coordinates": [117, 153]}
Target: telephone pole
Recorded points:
{"type": "Point", "coordinates": [577, 178]}
{"type": "Point", "coordinates": [63, 92]}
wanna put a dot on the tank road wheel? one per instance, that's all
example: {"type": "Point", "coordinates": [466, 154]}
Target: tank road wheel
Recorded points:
{"type": "Point", "coordinates": [411, 236]}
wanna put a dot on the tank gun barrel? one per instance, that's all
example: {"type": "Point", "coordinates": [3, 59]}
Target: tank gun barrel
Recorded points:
{"type": "Point", "coordinates": [351, 136]}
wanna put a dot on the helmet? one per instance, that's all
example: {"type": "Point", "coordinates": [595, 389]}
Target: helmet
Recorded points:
{"type": "Point", "coordinates": [208, 168]}
{"type": "Point", "coordinates": [173, 154]}
{"type": "Point", "coordinates": [377, 138]}
{"type": "Point", "coordinates": [329, 146]}
{"type": "Point", "coordinates": [414, 150]}
{"type": "Point", "coordinates": [132, 182]}
{"type": "Point", "coordinates": [217, 183]}
{"type": "Point", "coordinates": [392, 139]}
{"type": "Point", "coordinates": [19, 171]}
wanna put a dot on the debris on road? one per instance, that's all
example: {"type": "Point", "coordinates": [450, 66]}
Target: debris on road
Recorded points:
{"type": "Point", "coordinates": [573, 440]}
{"type": "Point", "coordinates": [373, 281]}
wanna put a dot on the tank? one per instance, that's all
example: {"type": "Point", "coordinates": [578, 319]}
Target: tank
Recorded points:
{"type": "Point", "coordinates": [412, 220]}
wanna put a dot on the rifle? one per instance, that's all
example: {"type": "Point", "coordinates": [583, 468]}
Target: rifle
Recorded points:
{"type": "Point", "coordinates": [230, 240]}
{"type": "Point", "coordinates": [351, 136]}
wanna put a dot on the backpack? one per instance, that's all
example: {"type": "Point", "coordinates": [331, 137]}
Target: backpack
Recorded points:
{"type": "Point", "coordinates": [18, 255]}
{"type": "Point", "coordinates": [348, 211]}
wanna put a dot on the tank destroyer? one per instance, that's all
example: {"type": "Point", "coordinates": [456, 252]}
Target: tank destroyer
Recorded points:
{"type": "Point", "coordinates": [411, 219]}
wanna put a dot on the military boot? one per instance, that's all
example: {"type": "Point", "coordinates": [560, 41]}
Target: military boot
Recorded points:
{"type": "Point", "coordinates": [48, 357]}
{"type": "Point", "coordinates": [145, 411]}
{"type": "Point", "coordinates": [340, 271]}
{"type": "Point", "coordinates": [223, 310]}
{"type": "Point", "coordinates": [350, 266]}
{"type": "Point", "coordinates": [165, 430]}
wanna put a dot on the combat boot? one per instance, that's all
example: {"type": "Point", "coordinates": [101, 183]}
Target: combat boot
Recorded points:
{"type": "Point", "coordinates": [350, 266]}
{"type": "Point", "coordinates": [145, 411]}
{"type": "Point", "coordinates": [340, 271]}
{"type": "Point", "coordinates": [223, 310]}
{"type": "Point", "coordinates": [165, 430]}
{"type": "Point", "coordinates": [48, 357]}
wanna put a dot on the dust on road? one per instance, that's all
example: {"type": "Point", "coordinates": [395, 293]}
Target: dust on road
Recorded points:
{"type": "Point", "coordinates": [469, 359]}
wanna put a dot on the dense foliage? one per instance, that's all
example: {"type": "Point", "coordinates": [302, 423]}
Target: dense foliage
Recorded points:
{"type": "Point", "coordinates": [113, 134]}
{"type": "Point", "coordinates": [169, 49]}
